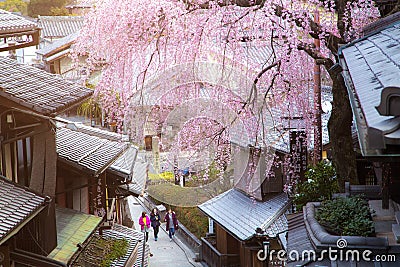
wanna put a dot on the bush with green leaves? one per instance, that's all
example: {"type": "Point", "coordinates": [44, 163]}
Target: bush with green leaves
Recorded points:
{"type": "Point", "coordinates": [117, 248]}
{"type": "Point", "coordinates": [346, 216]}
{"type": "Point", "coordinates": [320, 185]}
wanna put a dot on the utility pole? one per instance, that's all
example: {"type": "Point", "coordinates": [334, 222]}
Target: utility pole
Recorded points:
{"type": "Point", "coordinates": [144, 248]}
{"type": "Point", "coordinates": [317, 102]}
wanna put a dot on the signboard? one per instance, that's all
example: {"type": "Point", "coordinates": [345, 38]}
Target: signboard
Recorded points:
{"type": "Point", "coordinates": [298, 152]}
{"type": "Point", "coordinates": [210, 226]}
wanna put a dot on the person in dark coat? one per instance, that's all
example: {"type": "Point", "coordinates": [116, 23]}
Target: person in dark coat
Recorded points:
{"type": "Point", "coordinates": [155, 219]}
{"type": "Point", "coordinates": [172, 223]}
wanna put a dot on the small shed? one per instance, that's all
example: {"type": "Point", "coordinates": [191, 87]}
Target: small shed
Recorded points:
{"type": "Point", "coordinates": [241, 225]}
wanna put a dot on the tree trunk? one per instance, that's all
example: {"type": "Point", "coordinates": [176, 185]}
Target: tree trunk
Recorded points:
{"type": "Point", "coordinates": [339, 126]}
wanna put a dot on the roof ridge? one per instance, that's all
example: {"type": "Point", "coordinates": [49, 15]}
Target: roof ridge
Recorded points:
{"type": "Point", "coordinates": [381, 24]}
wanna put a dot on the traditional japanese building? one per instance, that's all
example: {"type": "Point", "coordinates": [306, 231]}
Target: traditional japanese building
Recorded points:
{"type": "Point", "coordinates": [29, 101]}
{"type": "Point", "coordinates": [95, 166]}
{"type": "Point", "coordinates": [81, 238]}
{"type": "Point", "coordinates": [17, 32]}
{"type": "Point", "coordinates": [372, 76]}
{"type": "Point", "coordinates": [242, 224]}
{"type": "Point", "coordinates": [26, 226]}
{"type": "Point", "coordinates": [56, 27]}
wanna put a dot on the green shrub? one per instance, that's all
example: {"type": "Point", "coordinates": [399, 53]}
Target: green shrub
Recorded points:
{"type": "Point", "coordinates": [321, 183]}
{"type": "Point", "coordinates": [118, 249]}
{"type": "Point", "coordinates": [346, 216]}
{"type": "Point", "coordinates": [193, 219]}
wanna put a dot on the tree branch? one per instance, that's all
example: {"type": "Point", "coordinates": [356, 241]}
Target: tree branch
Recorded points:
{"type": "Point", "coordinates": [312, 52]}
{"type": "Point", "coordinates": [332, 41]}
{"type": "Point", "coordinates": [317, 32]}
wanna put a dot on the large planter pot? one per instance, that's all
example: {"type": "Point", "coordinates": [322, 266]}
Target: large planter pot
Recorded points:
{"type": "Point", "coordinates": [321, 239]}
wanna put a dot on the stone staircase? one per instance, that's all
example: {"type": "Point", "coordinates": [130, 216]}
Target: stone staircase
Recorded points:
{"type": "Point", "coordinates": [396, 227]}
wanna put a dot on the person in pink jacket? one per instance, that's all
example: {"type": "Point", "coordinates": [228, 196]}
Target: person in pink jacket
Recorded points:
{"type": "Point", "coordinates": [144, 222]}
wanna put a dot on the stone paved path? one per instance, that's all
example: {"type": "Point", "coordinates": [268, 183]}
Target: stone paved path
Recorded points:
{"type": "Point", "coordinates": [165, 253]}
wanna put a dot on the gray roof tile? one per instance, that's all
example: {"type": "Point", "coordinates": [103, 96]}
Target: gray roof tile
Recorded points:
{"type": "Point", "coordinates": [59, 26]}
{"type": "Point", "coordinates": [11, 23]}
{"type": "Point", "coordinates": [57, 44]}
{"type": "Point", "coordinates": [240, 214]}
{"type": "Point", "coordinates": [133, 236]}
{"type": "Point", "coordinates": [90, 152]}
{"type": "Point", "coordinates": [370, 64]}
{"type": "Point", "coordinates": [17, 204]}
{"type": "Point", "coordinates": [139, 176]}
{"type": "Point", "coordinates": [38, 90]}
{"type": "Point", "coordinates": [125, 163]}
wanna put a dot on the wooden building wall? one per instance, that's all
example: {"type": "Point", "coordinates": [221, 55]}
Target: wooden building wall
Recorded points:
{"type": "Point", "coordinates": [39, 236]}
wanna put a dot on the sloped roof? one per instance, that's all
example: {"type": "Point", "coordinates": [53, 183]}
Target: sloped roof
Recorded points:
{"type": "Point", "coordinates": [58, 44]}
{"type": "Point", "coordinates": [38, 90]}
{"type": "Point", "coordinates": [370, 65]}
{"type": "Point", "coordinates": [298, 239]}
{"type": "Point", "coordinates": [17, 205]}
{"type": "Point", "coordinates": [11, 23]}
{"type": "Point", "coordinates": [86, 151]}
{"type": "Point", "coordinates": [125, 163]}
{"type": "Point", "coordinates": [98, 132]}
{"type": "Point", "coordinates": [59, 26]}
{"type": "Point", "coordinates": [241, 215]}
{"type": "Point", "coordinates": [139, 176]}
{"type": "Point", "coordinates": [119, 231]}
{"type": "Point", "coordinates": [73, 227]}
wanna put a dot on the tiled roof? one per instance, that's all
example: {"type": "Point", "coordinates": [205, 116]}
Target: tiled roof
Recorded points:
{"type": "Point", "coordinates": [58, 44]}
{"type": "Point", "coordinates": [59, 26]}
{"type": "Point", "coordinates": [241, 215]}
{"type": "Point", "coordinates": [133, 236]}
{"type": "Point", "coordinates": [298, 239]}
{"type": "Point", "coordinates": [11, 23]}
{"type": "Point", "coordinates": [125, 163]}
{"type": "Point", "coordinates": [17, 204]}
{"type": "Point", "coordinates": [371, 64]}
{"type": "Point", "coordinates": [117, 232]}
{"type": "Point", "coordinates": [98, 132]}
{"type": "Point", "coordinates": [73, 228]}
{"type": "Point", "coordinates": [258, 54]}
{"type": "Point", "coordinates": [86, 151]}
{"type": "Point", "coordinates": [36, 89]}
{"type": "Point", "coordinates": [139, 176]}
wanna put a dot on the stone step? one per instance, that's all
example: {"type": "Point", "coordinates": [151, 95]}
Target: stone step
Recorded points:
{"type": "Point", "coordinates": [397, 215]}
{"type": "Point", "coordinates": [396, 232]}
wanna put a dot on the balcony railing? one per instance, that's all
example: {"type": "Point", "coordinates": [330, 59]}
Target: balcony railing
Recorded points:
{"type": "Point", "coordinates": [214, 258]}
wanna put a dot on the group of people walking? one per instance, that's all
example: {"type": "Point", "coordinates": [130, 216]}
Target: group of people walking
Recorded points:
{"type": "Point", "coordinates": [154, 221]}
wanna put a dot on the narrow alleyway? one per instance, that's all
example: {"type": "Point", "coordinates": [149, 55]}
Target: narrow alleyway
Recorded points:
{"type": "Point", "coordinates": [165, 252]}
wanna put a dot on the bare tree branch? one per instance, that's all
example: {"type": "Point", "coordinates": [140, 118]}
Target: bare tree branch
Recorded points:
{"type": "Point", "coordinates": [312, 52]}
{"type": "Point", "coordinates": [317, 32]}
